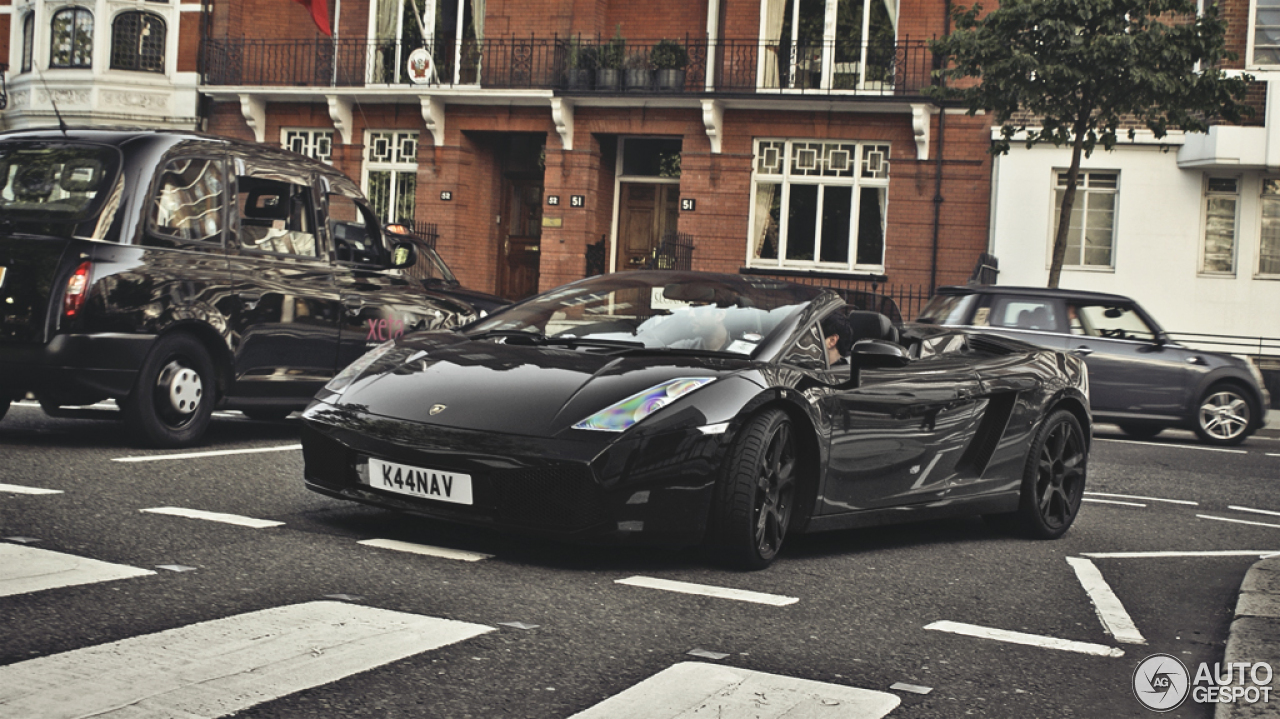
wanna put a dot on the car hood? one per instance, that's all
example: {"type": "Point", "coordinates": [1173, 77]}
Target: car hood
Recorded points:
{"type": "Point", "coordinates": [446, 379]}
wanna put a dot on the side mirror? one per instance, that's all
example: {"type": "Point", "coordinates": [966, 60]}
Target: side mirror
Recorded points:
{"type": "Point", "coordinates": [878, 353]}
{"type": "Point", "coordinates": [403, 254]}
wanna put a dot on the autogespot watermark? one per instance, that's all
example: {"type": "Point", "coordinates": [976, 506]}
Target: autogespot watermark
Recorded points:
{"type": "Point", "coordinates": [1162, 683]}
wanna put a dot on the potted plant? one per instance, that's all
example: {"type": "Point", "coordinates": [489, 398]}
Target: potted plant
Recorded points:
{"type": "Point", "coordinates": [639, 73]}
{"type": "Point", "coordinates": [670, 59]}
{"type": "Point", "coordinates": [581, 63]}
{"type": "Point", "coordinates": [608, 58]}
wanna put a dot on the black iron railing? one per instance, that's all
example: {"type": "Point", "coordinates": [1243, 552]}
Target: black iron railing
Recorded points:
{"type": "Point", "coordinates": [577, 65]}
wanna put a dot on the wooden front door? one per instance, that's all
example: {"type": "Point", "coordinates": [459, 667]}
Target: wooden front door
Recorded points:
{"type": "Point", "coordinates": [521, 250]}
{"type": "Point", "coordinates": [646, 213]}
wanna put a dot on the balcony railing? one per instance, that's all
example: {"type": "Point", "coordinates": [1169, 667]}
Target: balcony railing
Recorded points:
{"type": "Point", "coordinates": [578, 66]}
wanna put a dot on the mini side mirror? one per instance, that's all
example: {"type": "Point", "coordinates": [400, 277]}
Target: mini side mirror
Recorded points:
{"type": "Point", "coordinates": [403, 254]}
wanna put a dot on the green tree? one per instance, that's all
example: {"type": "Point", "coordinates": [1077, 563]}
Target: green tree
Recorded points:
{"type": "Point", "coordinates": [1075, 71]}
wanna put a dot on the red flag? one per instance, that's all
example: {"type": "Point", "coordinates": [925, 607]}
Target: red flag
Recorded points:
{"type": "Point", "coordinates": [319, 12]}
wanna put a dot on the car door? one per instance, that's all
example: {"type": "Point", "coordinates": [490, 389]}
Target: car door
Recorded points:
{"type": "Point", "coordinates": [896, 437]}
{"type": "Point", "coordinates": [288, 306]}
{"type": "Point", "coordinates": [1131, 370]}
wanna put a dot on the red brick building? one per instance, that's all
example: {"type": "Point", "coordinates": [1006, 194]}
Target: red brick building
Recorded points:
{"type": "Point", "coordinates": [784, 137]}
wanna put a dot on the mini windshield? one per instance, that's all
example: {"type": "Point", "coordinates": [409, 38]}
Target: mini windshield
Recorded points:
{"type": "Point", "coordinates": [657, 310]}
{"type": "Point", "coordinates": [47, 182]}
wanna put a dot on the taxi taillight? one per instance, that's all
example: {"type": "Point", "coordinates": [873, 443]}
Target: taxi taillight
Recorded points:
{"type": "Point", "coordinates": [77, 290]}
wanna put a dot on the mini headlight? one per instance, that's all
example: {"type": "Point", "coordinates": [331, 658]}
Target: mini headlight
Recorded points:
{"type": "Point", "coordinates": [355, 369]}
{"type": "Point", "coordinates": [621, 415]}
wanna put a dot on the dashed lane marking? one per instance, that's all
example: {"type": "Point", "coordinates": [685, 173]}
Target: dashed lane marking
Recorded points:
{"type": "Point", "coordinates": [19, 489]}
{"type": "Point", "coordinates": [1105, 602]}
{"type": "Point", "coordinates": [1255, 511]}
{"type": "Point", "coordinates": [1112, 501]}
{"type": "Point", "coordinates": [1238, 521]}
{"type": "Point", "coordinates": [690, 689]}
{"type": "Point", "coordinates": [740, 595]}
{"type": "Point", "coordinates": [212, 453]}
{"type": "Point", "coordinates": [1032, 640]}
{"type": "Point", "coordinates": [1176, 446]}
{"type": "Point", "coordinates": [1146, 499]}
{"type": "Point", "coordinates": [214, 517]}
{"type": "Point", "coordinates": [426, 549]}
{"type": "Point", "coordinates": [1166, 555]}
{"type": "Point", "coordinates": [221, 667]}
{"type": "Point", "coordinates": [28, 569]}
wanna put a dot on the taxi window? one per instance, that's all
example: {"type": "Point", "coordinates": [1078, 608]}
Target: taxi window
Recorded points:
{"type": "Point", "coordinates": [188, 202]}
{"type": "Point", "coordinates": [356, 237]}
{"type": "Point", "coordinates": [276, 216]}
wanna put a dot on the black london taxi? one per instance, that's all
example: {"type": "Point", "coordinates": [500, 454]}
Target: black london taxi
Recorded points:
{"type": "Point", "coordinates": [176, 273]}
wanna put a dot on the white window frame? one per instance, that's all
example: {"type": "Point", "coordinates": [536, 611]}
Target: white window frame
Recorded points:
{"type": "Point", "coordinates": [1082, 193]}
{"type": "Point", "coordinates": [857, 182]}
{"type": "Point", "coordinates": [313, 139]}
{"type": "Point", "coordinates": [1257, 267]}
{"type": "Point", "coordinates": [1204, 224]}
{"type": "Point", "coordinates": [828, 43]}
{"type": "Point", "coordinates": [428, 30]}
{"type": "Point", "coordinates": [1250, 63]}
{"type": "Point", "coordinates": [394, 162]}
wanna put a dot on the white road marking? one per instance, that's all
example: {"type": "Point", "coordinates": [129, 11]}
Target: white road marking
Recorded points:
{"type": "Point", "coordinates": [740, 595]}
{"type": "Point", "coordinates": [1148, 499]}
{"type": "Point", "coordinates": [214, 517]}
{"type": "Point", "coordinates": [1105, 602]}
{"type": "Point", "coordinates": [19, 489]}
{"type": "Point", "coordinates": [221, 667]}
{"type": "Point", "coordinates": [1255, 511]}
{"type": "Point", "coordinates": [1177, 446]}
{"type": "Point", "coordinates": [1238, 521]}
{"type": "Point", "coordinates": [1164, 555]}
{"type": "Point", "coordinates": [430, 551]}
{"type": "Point", "coordinates": [690, 689]}
{"type": "Point", "coordinates": [1112, 501]}
{"type": "Point", "coordinates": [1272, 454]}
{"type": "Point", "coordinates": [111, 404]}
{"type": "Point", "coordinates": [212, 453]}
{"type": "Point", "coordinates": [28, 569]}
{"type": "Point", "coordinates": [1033, 640]}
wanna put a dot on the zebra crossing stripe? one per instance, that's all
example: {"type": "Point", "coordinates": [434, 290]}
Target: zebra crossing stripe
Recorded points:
{"type": "Point", "coordinates": [220, 667]}
{"type": "Point", "coordinates": [28, 569]}
{"type": "Point", "coordinates": [692, 689]}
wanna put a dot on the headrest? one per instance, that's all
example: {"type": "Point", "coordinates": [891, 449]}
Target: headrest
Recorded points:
{"type": "Point", "coordinates": [689, 293]}
{"type": "Point", "coordinates": [33, 182]}
{"type": "Point", "coordinates": [871, 326]}
{"type": "Point", "coordinates": [81, 175]}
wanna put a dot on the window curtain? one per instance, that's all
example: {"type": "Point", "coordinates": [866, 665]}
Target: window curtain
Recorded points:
{"type": "Point", "coordinates": [764, 236]}
{"type": "Point", "coordinates": [477, 18]}
{"type": "Point", "coordinates": [385, 33]}
{"type": "Point", "coordinates": [772, 42]}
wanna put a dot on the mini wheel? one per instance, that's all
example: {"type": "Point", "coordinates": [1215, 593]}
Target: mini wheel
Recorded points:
{"type": "Point", "coordinates": [755, 497]}
{"type": "Point", "coordinates": [172, 399]}
{"type": "Point", "coordinates": [1224, 415]}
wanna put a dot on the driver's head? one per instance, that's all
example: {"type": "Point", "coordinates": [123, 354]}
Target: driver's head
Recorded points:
{"type": "Point", "coordinates": [837, 335]}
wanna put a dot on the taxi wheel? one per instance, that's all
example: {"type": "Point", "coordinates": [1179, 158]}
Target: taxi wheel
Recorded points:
{"type": "Point", "coordinates": [755, 497]}
{"type": "Point", "coordinates": [172, 399]}
{"type": "Point", "coordinates": [1224, 415]}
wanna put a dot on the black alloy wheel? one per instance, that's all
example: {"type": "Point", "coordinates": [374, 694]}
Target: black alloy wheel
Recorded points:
{"type": "Point", "coordinates": [1224, 415]}
{"type": "Point", "coordinates": [1053, 481]}
{"type": "Point", "coordinates": [173, 397]}
{"type": "Point", "coordinates": [754, 501]}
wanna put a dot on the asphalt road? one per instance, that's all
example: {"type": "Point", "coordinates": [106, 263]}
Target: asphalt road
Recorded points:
{"type": "Point", "coordinates": [551, 631]}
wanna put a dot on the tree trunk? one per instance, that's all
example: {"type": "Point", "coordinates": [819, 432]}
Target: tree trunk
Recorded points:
{"type": "Point", "coordinates": [1068, 202]}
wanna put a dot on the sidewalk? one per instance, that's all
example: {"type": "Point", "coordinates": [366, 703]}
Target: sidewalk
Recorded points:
{"type": "Point", "coordinates": [1255, 635]}
{"type": "Point", "coordinates": [1272, 428]}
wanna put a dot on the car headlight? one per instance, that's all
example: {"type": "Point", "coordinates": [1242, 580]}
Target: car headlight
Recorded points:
{"type": "Point", "coordinates": [621, 415]}
{"type": "Point", "coordinates": [357, 368]}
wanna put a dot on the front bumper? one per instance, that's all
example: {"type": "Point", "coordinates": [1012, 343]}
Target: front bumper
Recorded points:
{"type": "Point", "coordinates": [74, 366]}
{"type": "Point", "coordinates": [654, 489]}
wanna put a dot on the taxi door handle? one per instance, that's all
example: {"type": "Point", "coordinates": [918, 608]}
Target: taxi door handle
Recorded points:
{"type": "Point", "coordinates": [353, 304]}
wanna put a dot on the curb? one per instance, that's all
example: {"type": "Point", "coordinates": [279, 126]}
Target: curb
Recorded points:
{"type": "Point", "coordinates": [1255, 635]}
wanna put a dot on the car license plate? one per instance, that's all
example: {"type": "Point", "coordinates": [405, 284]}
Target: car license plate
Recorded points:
{"type": "Point", "coordinates": [434, 484]}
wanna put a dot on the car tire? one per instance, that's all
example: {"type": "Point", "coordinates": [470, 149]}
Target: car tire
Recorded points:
{"type": "Point", "coordinates": [267, 414]}
{"type": "Point", "coordinates": [1053, 480]}
{"type": "Point", "coordinates": [755, 497]}
{"type": "Point", "coordinates": [1225, 415]}
{"type": "Point", "coordinates": [173, 397]}
{"type": "Point", "coordinates": [1141, 431]}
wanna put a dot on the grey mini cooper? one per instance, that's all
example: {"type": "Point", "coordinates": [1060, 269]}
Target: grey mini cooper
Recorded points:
{"type": "Point", "coordinates": [1139, 378]}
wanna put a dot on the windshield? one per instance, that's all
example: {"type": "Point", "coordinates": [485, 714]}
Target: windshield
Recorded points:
{"type": "Point", "coordinates": [431, 266]}
{"type": "Point", "coordinates": [658, 310]}
{"type": "Point", "coordinates": [47, 182]}
{"type": "Point", "coordinates": [946, 310]}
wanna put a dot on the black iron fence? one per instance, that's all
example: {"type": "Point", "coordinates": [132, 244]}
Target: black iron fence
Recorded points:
{"type": "Point", "coordinates": [577, 65]}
